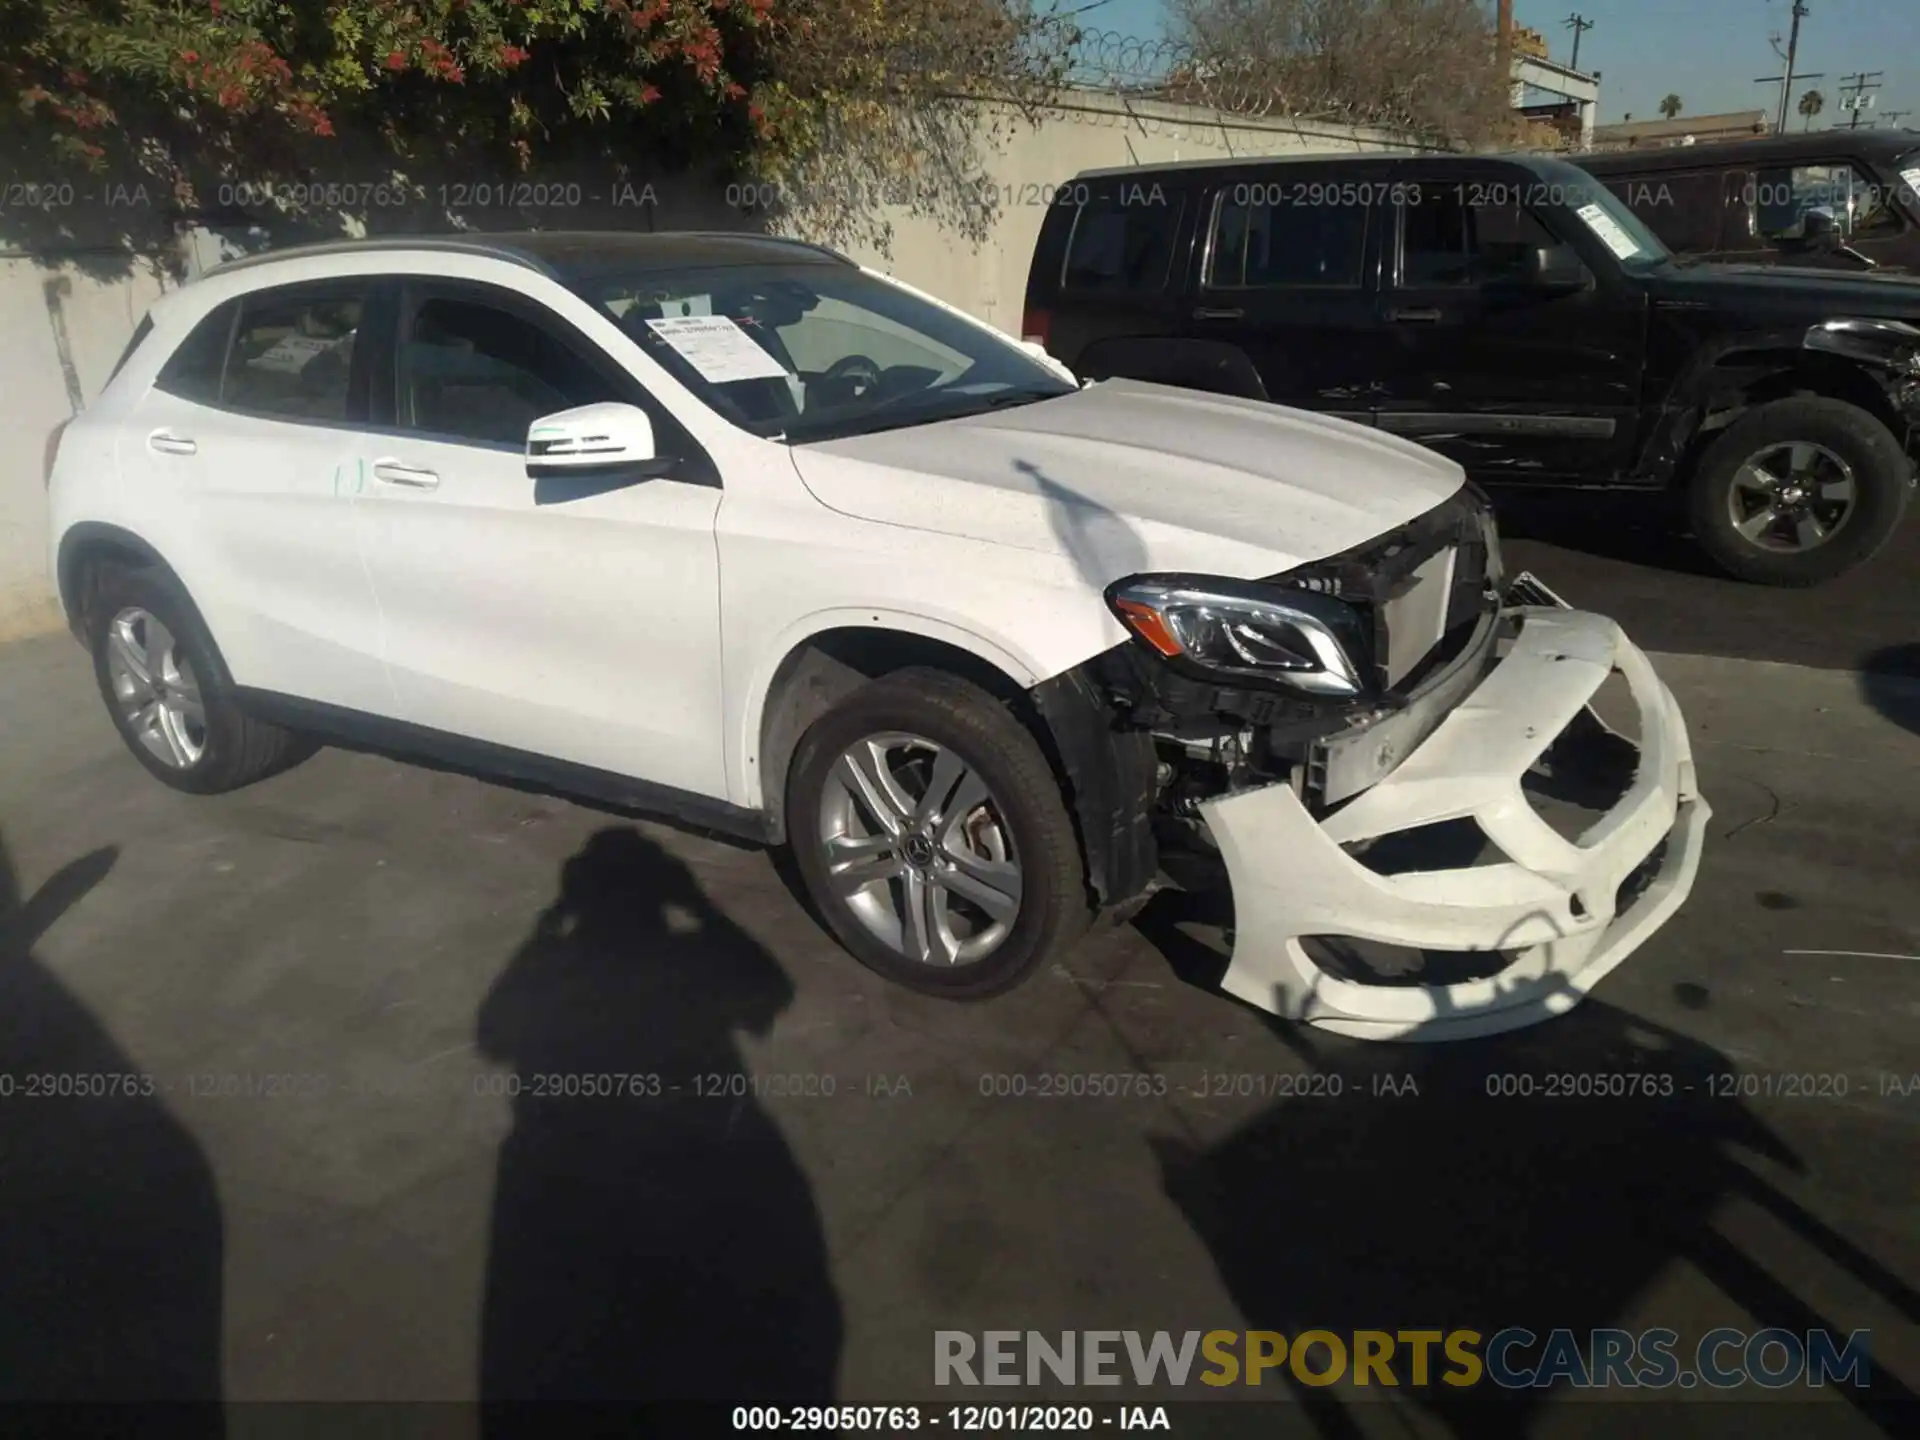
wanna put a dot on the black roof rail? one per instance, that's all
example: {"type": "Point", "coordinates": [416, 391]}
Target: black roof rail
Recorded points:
{"type": "Point", "coordinates": [446, 244]}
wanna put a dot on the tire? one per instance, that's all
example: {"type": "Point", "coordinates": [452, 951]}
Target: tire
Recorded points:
{"type": "Point", "coordinates": [1023, 820]}
{"type": "Point", "coordinates": [1882, 488]}
{"type": "Point", "coordinates": [226, 748]}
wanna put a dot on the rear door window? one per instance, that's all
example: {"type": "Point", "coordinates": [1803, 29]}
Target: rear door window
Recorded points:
{"type": "Point", "coordinates": [1123, 240]}
{"type": "Point", "coordinates": [292, 354]}
{"type": "Point", "coordinates": [1264, 239]}
{"type": "Point", "coordinates": [1685, 209]}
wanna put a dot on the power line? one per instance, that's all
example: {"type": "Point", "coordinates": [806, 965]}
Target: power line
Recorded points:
{"type": "Point", "coordinates": [1579, 24]}
{"type": "Point", "coordinates": [1863, 83]}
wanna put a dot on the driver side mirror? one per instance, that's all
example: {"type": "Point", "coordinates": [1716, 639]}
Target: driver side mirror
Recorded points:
{"type": "Point", "coordinates": [1818, 228]}
{"type": "Point", "coordinates": [1554, 268]}
{"type": "Point", "coordinates": [609, 444]}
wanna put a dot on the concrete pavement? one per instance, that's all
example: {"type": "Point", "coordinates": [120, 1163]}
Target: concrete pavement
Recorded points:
{"type": "Point", "coordinates": [334, 980]}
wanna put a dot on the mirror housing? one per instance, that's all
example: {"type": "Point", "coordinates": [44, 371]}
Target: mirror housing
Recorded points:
{"type": "Point", "coordinates": [1556, 268]}
{"type": "Point", "coordinates": [1039, 352]}
{"type": "Point", "coordinates": [609, 442]}
{"type": "Point", "coordinates": [1819, 228]}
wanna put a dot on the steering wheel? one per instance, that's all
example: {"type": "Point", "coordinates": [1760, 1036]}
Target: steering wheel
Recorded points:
{"type": "Point", "coordinates": [859, 371]}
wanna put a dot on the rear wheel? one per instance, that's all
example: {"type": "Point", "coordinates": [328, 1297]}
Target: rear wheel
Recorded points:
{"type": "Point", "coordinates": [165, 689]}
{"type": "Point", "coordinates": [1799, 491]}
{"type": "Point", "coordinates": [933, 838]}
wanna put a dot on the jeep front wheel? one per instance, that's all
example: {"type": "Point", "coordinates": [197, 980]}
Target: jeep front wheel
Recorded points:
{"type": "Point", "coordinates": [1799, 491]}
{"type": "Point", "coordinates": [933, 837]}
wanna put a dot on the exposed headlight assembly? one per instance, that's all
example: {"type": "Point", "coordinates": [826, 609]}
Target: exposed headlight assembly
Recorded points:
{"type": "Point", "coordinates": [1230, 629]}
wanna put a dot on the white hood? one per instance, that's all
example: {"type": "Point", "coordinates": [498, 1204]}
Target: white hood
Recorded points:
{"type": "Point", "coordinates": [1124, 477]}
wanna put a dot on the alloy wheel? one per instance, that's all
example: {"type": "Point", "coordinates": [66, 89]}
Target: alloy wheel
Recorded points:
{"type": "Point", "coordinates": [1791, 497]}
{"type": "Point", "coordinates": [156, 689]}
{"type": "Point", "coordinates": [919, 849]}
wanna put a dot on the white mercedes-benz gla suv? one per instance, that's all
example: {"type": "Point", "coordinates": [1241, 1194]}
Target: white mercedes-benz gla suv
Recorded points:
{"type": "Point", "coordinates": [735, 531]}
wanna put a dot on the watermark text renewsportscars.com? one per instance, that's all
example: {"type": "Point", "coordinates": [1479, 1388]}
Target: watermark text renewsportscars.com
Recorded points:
{"type": "Point", "coordinates": [1513, 1358]}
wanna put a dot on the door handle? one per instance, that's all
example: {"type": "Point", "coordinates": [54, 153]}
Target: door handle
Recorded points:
{"type": "Point", "coordinates": [1206, 313]}
{"type": "Point", "coordinates": [413, 478]}
{"type": "Point", "coordinates": [1419, 315]}
{"type": "Point", "coordinates": [167, 444]}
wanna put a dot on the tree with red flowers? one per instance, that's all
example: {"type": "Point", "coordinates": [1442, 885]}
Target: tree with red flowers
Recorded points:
{"type": "Point", "coordinates": [824, 99]}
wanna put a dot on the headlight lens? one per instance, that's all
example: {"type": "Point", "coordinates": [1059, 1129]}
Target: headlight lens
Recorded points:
{"type": "Point", "coordinates": [1299, 639]}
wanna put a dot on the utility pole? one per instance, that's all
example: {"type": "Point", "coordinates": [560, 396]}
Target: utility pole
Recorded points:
{"type": "Point", "coordinates": [1863, 82]}
{"type": "Point", "coordinates": [1577, 23]}
{"type": "Point", "coordinates": [1786, 80]}
{"type": "Point", "coordinates": [1890, 116]}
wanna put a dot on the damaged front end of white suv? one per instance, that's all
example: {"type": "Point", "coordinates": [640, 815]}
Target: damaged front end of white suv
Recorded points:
{"type": "Point", "coordinates": [1436, 816]}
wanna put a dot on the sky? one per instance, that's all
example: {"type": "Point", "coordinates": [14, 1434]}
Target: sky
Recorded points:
{"type": "Point", "coordinates": [1708, 52]}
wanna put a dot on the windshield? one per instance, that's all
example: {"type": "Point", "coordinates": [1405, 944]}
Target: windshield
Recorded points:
{"type": "Point", "coordinates": [1618, 228]}
{"type": "Point", "coordinates": [814, 351]}
{"type": "Point", "coordinates": [1909, 168]}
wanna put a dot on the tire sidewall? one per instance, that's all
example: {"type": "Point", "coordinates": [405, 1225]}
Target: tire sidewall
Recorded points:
{"type": "Point", "coordinates": [1052, 884]}
{"type": "Point", "coordinates": [164, 602]}
{"type": "Point", "coordinates": [1881, 478]}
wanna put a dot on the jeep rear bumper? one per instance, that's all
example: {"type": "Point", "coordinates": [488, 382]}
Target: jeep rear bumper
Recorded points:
{"type": "Point", "coordinates": [1553, 906]}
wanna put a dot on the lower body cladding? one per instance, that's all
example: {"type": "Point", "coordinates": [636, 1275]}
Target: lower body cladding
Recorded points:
{"type": "Point", "coordinates": [1538, 927]}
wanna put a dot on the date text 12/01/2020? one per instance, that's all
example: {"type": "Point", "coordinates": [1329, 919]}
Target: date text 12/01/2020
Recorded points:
{"type": "Point", "coordinates": [987, 1419]}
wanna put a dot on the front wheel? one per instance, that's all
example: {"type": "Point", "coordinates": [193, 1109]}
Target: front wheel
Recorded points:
{"type": "Point", "coordinates": [933, 839]}
{"type": "Point", "coordinates": [1799, 491]}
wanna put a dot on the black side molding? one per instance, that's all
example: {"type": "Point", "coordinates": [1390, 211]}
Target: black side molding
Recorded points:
{"type": "Point", "coordinates": [356, 729]}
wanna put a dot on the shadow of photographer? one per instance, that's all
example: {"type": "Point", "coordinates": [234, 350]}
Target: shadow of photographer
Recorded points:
{"type": "Point", "coordinates": [1486, 1185]}
{"type": "Point", "coordinates": [656, 1243]}
{"type": "Point", "coordinates": [110, 1229]}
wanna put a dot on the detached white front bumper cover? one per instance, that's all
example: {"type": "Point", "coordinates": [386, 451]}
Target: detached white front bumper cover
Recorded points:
{"type": "Point", "coordinates": [1553, 900]}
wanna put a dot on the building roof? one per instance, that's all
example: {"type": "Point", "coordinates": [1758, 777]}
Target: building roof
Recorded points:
{"type": "Point", "coordinates": [1816, 145]}
{"type": "Point", "coordinates": [1675, 131]}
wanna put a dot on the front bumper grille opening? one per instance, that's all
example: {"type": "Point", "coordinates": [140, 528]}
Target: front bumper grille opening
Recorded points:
{"type": "Point", "coordinates": [1447, 845]}
{"type": "Point", "coordinates": [1640, 879]}
{"type": "Point", "coordinates": [1590, 766]}
{"type": "Point", "coordinates": [1423, 587]}
{"type": "Point", "coordinates": [1374, 962]}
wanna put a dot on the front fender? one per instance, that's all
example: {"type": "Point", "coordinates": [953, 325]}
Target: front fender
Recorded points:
{"type": "Point", "coordinates": [1860, 355]}
{"type": "Point", "coordinates": [1890, 345]}
{"type": "Point", "coordinates": [745, 770]}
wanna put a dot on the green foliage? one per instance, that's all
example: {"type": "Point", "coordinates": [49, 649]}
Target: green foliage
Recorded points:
{"type": "Point", "coordinates": [812, 96]}
{"type": "Point", "coordinates": [216, 86]}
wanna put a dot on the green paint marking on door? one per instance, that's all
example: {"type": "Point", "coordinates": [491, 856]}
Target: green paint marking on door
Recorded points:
{"type": "Point", "coordinates": [360, 479]}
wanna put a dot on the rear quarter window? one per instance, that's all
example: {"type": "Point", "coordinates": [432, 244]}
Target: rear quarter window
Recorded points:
{"type": "Point", "coordinates": [140, 333]}
{"type": "Point", "coordinates": [1122, 240]}
{"type": "Point", "coordinates": [193, 370]}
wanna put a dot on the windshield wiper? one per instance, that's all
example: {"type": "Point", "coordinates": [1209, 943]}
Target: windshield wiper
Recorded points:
{"type": "Point", "coordinates": [797, 433]}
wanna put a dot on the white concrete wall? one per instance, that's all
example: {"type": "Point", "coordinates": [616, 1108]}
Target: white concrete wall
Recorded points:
{"type": "Point", "coordinates": [55, 353]}
{"type": "Point", "coordinates": [1092, 131]}
{"type": "Point", "coordinates": [54, 358]}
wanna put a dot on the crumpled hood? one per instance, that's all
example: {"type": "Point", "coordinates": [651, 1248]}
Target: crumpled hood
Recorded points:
{"type": "Point", "coordinates": [1124, 477]}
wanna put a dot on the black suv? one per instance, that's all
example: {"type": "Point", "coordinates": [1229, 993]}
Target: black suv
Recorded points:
{"type": "Point", "coordinates": [1839, 199]}
{"type": "Point", "coordinates": [1513, 314]}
